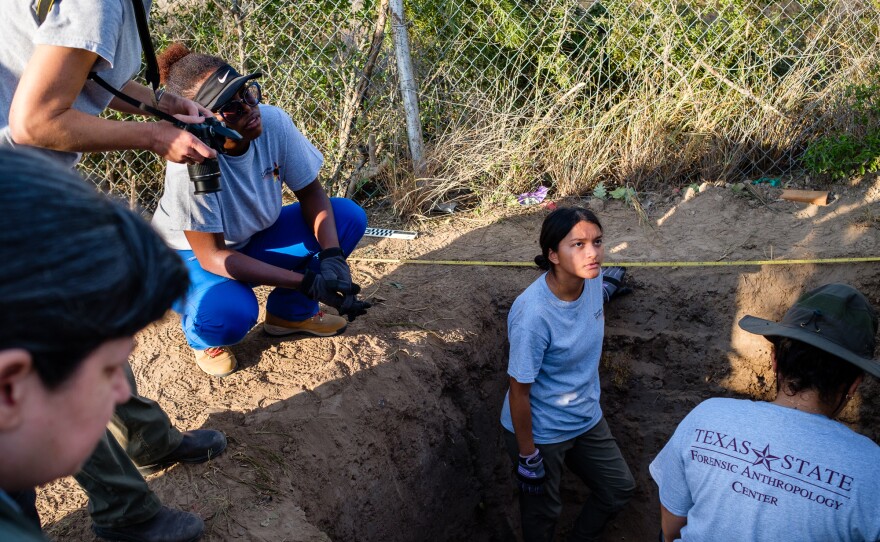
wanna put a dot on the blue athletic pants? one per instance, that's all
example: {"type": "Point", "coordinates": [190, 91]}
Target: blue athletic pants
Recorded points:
{"type": "Point", "coordinates": [218, 311]}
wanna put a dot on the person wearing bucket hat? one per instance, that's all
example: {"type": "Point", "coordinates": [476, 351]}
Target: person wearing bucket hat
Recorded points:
{"type": "Point", "coordinates": [835, 318]}
{"type": "Point", "coordinates": [783, 469]}
{"type": "Point", "coordinates": [242, 236]}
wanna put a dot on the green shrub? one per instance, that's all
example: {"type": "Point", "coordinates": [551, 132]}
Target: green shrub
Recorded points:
{"type": "Point", "coordinates": [852, 145]}
{"type": "Point", "coordinates": [841, 156]}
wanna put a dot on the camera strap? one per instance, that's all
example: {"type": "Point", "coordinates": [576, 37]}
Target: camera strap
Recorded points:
{"type": "Point", "coordinates": [134, 101]}
{"type": "Point", "coordinates": [42, 8]}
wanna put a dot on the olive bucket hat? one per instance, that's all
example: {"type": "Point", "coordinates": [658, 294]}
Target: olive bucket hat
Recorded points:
{"type": "Point", "coordinates": [835, 318]}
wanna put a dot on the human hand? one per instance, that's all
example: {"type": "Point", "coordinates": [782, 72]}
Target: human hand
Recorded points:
{"type": "Point", "coordinates": [530, 473]}
{"type": "Point", "coordinates": [176, 145]}
{"type": "Point", "coordinates": [184, 109]}
{"type": "Point", "coordinates": [612, 283]}
{"type": "Point", "coordinates": [335, 270]}
{"type": "Point", "coordinates": [317, 288]}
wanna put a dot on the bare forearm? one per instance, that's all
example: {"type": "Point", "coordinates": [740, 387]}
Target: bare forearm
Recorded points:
{"type": "Point", "coordinates": [671, 524]}
{"type": "Point", "coordinates": [521, 415]}
{"type": "Point", "coordinates": [74, 131]}
{"type": "Point", "coordinates": [42, 113]}
{"type": "Point", "coordinates": [318, 212]}
{"type": "Point", "coordinates": [237, 266]}
{"type": "Point", "coordinates": [138, 92]}
{"type": "Point", "coordinates": [184, 109]}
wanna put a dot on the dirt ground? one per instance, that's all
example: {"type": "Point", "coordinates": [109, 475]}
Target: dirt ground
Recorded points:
{"type": "Point", "coordinates": [390, 432]}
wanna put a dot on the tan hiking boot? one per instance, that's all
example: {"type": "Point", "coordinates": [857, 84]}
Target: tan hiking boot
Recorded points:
{"type": "Point", "coordinates": [216, 361]}
{"type": "Point", "coordinates": [319, 325]}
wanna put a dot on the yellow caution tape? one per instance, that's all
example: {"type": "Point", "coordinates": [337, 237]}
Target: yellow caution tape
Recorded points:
{"type": "Point", "coordinates": [625, 264]}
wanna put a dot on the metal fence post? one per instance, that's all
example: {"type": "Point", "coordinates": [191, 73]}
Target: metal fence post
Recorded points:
{"type": "Point", "coordinates": [408, 87]}
{"type": "Point", "coordinates": [729, 91]}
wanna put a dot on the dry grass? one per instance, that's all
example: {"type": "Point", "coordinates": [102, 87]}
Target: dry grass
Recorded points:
{"type": "Point", "coordinates": [667, 128]}
{"type": "Point", "coordinates": [618, 368]}
{"type": "Point", "coordinates": [643, 94]}
{"type": "Point", "coordinates": [867, 218]}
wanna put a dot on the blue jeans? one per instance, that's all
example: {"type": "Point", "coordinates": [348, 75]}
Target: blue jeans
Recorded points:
{"type": "Point", "coordinates": [218, 311]}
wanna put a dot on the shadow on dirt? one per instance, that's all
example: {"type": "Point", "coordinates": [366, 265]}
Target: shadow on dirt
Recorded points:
{"type": "Point", "coordinates": [390, 431]}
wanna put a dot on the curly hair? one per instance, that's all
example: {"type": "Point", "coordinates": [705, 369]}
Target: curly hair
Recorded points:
{"type": "Point", "coordinates": [183, 72]}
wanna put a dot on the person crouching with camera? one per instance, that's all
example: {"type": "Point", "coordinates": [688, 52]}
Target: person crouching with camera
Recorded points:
{"type": "Point", "coordinates": [241, 235]}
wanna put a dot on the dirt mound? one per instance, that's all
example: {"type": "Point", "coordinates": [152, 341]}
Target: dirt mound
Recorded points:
{"type": "Point", "coordinates": [390, 431]}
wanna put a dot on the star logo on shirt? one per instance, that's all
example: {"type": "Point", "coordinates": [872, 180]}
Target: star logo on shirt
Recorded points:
{"type": "Point", "coordinates": [764, 457]}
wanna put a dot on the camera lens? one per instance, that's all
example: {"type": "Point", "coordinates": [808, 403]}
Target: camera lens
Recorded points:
{"type": "Point", "coordinates": [205, 176]}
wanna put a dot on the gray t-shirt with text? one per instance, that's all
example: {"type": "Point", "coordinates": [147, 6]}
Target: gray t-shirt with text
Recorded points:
{"type": "Point", "coordinates": [555, 346]}
{"type": "Point", "coordinates": [104, 27]}
{"type": "Point", "coordinates": [744, 470]}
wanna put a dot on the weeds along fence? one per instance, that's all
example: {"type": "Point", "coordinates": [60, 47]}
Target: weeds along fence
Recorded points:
{"type": "Point", "coordinates": [516, 93]}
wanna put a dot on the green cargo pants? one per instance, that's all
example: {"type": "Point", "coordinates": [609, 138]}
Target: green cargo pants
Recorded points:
{"type": "Point", "coordinates": [595, 458]}
{"type": "Point", "coordinates": [139, 433]}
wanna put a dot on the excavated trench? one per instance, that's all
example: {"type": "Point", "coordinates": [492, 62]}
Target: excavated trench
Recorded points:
{"type": "Point", "coordinates": [390, 432]}
{"type": "Point", "coordinates": [669, 345]}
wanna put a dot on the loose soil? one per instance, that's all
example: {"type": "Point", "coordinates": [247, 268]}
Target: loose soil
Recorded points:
{"type": "Point", "coordinates": [390, 432]}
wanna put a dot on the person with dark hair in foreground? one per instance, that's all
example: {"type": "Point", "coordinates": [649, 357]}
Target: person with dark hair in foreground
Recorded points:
{"type": "Point", "coordinates": [243, 235]}
{"type": "Point", "coordinates": [784, 469]}
{"type": "Point", "coordinates": [48, 104]}
{"type": "Point", "coordinates": [98, 274]}
{"type": "Point", "coordinates": [551, 415]}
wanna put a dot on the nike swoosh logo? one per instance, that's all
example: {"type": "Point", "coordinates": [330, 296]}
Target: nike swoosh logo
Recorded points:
{"type": "Point", "coordinates": [223, 79]}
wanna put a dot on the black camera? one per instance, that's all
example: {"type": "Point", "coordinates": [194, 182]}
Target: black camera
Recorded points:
{"type": "Point", "coordinates": [206, 176]}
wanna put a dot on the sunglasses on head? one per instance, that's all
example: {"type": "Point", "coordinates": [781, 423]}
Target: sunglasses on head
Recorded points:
{"type": "Point", "coordinates": [251, 95]}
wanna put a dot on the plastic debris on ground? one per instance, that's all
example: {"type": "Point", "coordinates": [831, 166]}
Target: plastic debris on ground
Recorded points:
{"type": "Point", "coordinates": [533, 198]}
{"type": "Point", "coordinates": [814, 197]}
{"type": "Point", "coordinates": [446, 207]}
{"type": "Point", "coordinates": [768, 180]}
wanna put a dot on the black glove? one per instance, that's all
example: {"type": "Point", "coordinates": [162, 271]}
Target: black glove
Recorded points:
{"type": "Point", "coordinates": [316, 288]}
{"type": "Point", "coordinates": [530, 473]}
{"type": "Point", "coordinates": [612, 283]}
{"type": "Point", "coordinates": [352, 307]}
{"type": "Point", "coordinates": [335, 270]}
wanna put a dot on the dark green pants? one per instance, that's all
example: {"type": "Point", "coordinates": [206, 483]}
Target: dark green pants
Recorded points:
{"type": "Point", "coordinates": [139, 433]}
{"type": "Point", "coordinates": [595, 458]}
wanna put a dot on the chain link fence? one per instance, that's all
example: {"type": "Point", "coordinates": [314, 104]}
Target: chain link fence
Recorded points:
{"type": "Point", "coordinates": [515, 93]}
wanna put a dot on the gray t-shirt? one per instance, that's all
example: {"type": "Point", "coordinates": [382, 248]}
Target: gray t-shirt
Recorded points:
{"type": "Point", "coordinates": [555, 345]}
{"type": "Point", "coordinates": [104, 27]}
{"type": "Point", "coordinates": [744, 470]}
{"type": "Point", "coordinates": [250, 197]}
